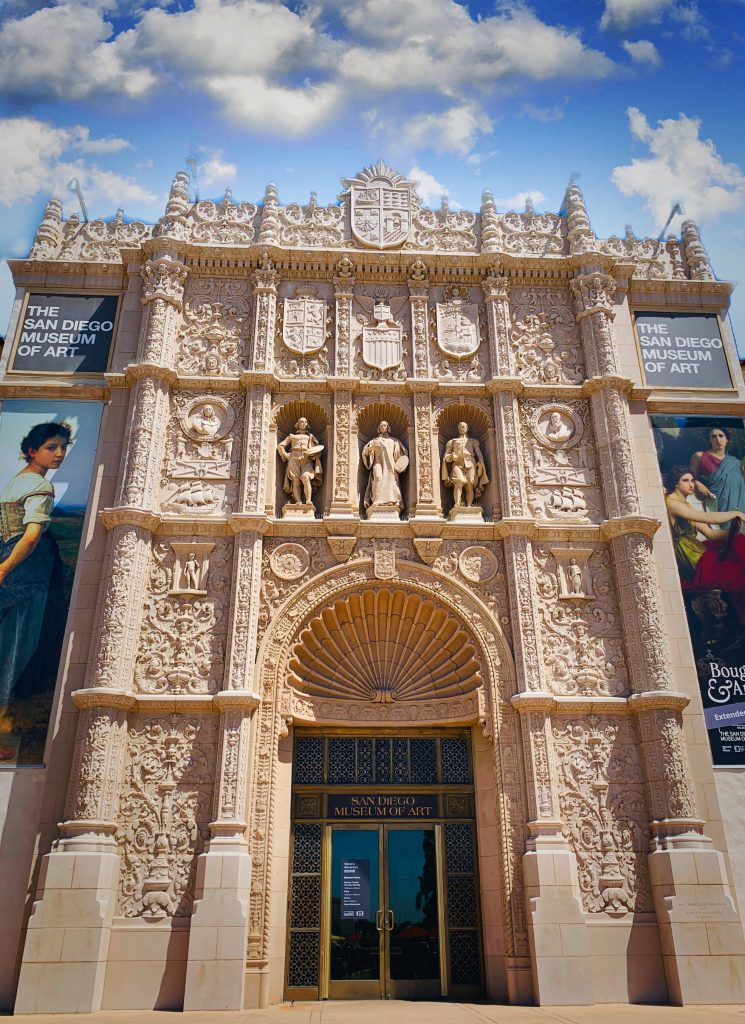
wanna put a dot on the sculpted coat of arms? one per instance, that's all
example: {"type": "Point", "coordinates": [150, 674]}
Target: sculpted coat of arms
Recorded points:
{"type": "Point", "coordinates": [382, 204]}
{"type": "Point", "coordinates": [304, 323]}
{"type": "Point", "coordinates": [457, 323]}
{"type": "Point", "coordinates": [382, 341]}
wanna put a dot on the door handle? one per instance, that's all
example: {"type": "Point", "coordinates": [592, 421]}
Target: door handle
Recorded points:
{"type": "Point", "coordinates": [379, 919]}
{"type": "Point", "coordinates": [389, 920]}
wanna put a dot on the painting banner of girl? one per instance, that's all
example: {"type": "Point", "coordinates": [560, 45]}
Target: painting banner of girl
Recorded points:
{"type": "Point", "coordinates": [702, 460]}
{"type": "Point", "coordinates": [47, 451]}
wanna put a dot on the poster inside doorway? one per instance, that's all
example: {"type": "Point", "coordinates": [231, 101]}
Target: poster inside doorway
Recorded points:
{"type": "Point", "coordinates": [702, 460]}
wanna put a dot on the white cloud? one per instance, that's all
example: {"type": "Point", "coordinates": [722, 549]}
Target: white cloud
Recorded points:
{"type": "Point", "coordinates": [111, 144]}
{"type": "Point", "coordinates": [453, 131]}
{"type": "Point", "coordinates": [258, 104]}
{"type": "Point", "coordinates": [681, 168]}
{"type": "Point", "coordinates": [518, 201]}
{"type": "Point", "coordinates": [623, 14]}
{"type": "Point", "coordinates": [428, 188]}
{"type": "Point", "coordinates": [213, 168]}
{"type": "Point", "coordinates": [34, 164]}
{"type": "Point", "coordinates": [543, 114]}
{"type": "Point", "coordinates": [63, 52]}
{"type": "Point", "coordinates": [643, 52]}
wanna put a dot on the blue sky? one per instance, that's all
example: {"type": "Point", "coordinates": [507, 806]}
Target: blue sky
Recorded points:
{"type": "Point", "coordinates": [641, 99]}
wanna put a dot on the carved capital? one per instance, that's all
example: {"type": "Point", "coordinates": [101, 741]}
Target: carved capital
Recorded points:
{"type": "Point", "coordinates": [163, 278]}
{"type": "Point", "coordinates": [594, 294]}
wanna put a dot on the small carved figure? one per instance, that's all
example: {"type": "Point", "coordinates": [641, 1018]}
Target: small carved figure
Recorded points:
{"type": "Point", "coordinates": [386, 458]}
{"type": "Point", "coordinates": [574, 577]}
{"type": "Point", "coordinates": [303, 470]}
{"type": "Point", "coordinates": [463, 467]}
{"type": "Point", "coordinates": [192, 572]}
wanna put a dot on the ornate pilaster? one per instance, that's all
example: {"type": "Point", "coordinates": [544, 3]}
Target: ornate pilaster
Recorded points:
{"type": "Point", "coordinates": [241, 642]}
{"type": "Point", "coordinates": [265, 283]}
{"type": "Point", "coordinates": [162, 296]}
{"type": "Point", "coordinates": [498, 323]}
{"type": "Point", "coordinates": [523, 587]}
{"type": "Point", "coordinates": [343, 291]}
{"type": "Point", "coordinates": [418, 298]}
{"type": "Point", "coordinates": [510, 462]}
{"type": "Point", "coordinates": [593, 294]}
{"type": "Point", "coordinates": [254, 462]}
{"type": "Point", "coordinates": [342, 503]}
{"type": "Point", "coordinates": [540, 767]}
{"type": "Point", "coordinates": [427, 458]}
{"type": "Point", "coordinates": [144, 446]}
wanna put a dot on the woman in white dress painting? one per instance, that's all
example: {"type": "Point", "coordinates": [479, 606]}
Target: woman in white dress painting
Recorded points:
{"type": "Point", "coordinates": [31, 574]}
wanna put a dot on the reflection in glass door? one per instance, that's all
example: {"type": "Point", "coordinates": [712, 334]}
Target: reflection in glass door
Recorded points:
{"type": "Point", "coordinates": [384, 924]}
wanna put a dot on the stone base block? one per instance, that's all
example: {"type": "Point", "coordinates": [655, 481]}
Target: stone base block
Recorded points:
{"type": "Point", "coordinates": [383, 514]}
{"type": "Point", "coordinates": [300, 510]}
{"type": "Point", "coordinates": [557, 931]}
{"type": "Point", "coordinates": [701, 936]}
{"type": "Point", "coordinates": [468, 514]}
{"type": "Point", "coordinates": [67, 943]}
{"type": "Point", "coordinates": [215, 971]}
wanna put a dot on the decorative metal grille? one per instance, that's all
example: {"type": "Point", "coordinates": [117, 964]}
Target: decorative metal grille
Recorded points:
{"type": "Point", "coordinates": [305, 907]}
{"type": "Point", "coordinates": [462, 905]}
{"type": "Point", "coordinates": [309, 760]}
{"type": "Point", "coordinates": [398, 761]}
{"type": "Point", "coordinates": [456, 763]}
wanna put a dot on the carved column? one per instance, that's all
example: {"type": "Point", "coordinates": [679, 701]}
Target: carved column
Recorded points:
{"type": "Point", "coordinates": [343, 291]}
{"type": "Point", "coordinates": [418, 298]}
{"type": "Point", "coordinates": [218, 937]}
{"type": "Point", "coordinates": [499, 324]}
{"type": "Point", "coordinates": [265, 282]}
{"type": "Point", "coordinates": [427, 458]}
{"type": "Point", "coordinates": [510, 462]}
{"type": "Point", "coordinates": [163, 293]}
{"type": "Point", "coordinates": [344, 501]}
{"type": "Point", "coordinates": [697, 258]}
{"type": "Point", "coordinates": [255, 441]}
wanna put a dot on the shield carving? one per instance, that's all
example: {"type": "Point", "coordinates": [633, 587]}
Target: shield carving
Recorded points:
{"type": "Point", "coordinates": [382, 203]}
{"type": "Point", "coordinates": [458, 328]}
{"type": "Point", "coordinates": [304, 325]}
{"type": "Point", "coordinates": [382, 342]}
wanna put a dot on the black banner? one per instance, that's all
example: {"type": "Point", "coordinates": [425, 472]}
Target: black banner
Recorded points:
{"type": "Point", "coordinates": [355, 888]}
{"type": "Point", "coordinates": [681, 350]}
{"type": "Point", "coordinates": [65, 334]}
{"type": "Point", "coordinates": [381, 806]}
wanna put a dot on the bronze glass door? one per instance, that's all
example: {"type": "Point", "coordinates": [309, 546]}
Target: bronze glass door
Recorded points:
{"type": "Point", "coordinates": [412, 917]}
{"type": "Point", "coordinates": [384, 935]}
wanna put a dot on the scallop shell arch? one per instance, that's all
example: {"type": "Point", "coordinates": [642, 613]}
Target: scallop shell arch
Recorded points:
{"type": "Point", "coordinates": [384, 645]}
{"type": "Point", "coordinates": [464, 681]}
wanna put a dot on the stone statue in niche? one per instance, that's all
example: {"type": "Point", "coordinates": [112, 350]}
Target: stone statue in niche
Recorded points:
{"type": "Point", "coordinates": [386, 458]}
{"type": "Point", "coordinates": [190, 568]}
{"type": "Point", "coordinates": [301, 453]}
{"type": "Point", "coordinates": [464, 469]}
{"type": "Point", "coordinates": [574, 578]}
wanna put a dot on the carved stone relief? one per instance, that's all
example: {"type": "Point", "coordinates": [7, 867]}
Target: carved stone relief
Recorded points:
{"type": "Point", "coordinates": [457, 332]}
{"type": "Point", "coordinates": [304, 327]}
{"type": "Point", "coordinates": [202, 453]}
{"type": "Point", "coordinates": [545, 343]}
{"type": "Point", "coordinates": [482, 564]}
{"type": "Point", "coordinates": [276, 588]}
{"type": "Point", "coordinates": [445, 229]}
{"type": "Point", "coordinates": [380, 335]}
{"type": "Point", "coordinates": [214, 335]}
{"type": "Point", "coordinates": [182, 642]}
{"type": "Point", "coordinates": [601, 792]}
{"type": "Point", "coordinates": [313, 226]}
{"type": "Point", "coordinates": [561, 474]}
{"type": "Point", "coordinates": [585, 654]}
{"type": "Point", "coordinates": [164, 813]}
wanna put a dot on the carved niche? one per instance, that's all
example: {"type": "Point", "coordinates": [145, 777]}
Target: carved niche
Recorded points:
{"type": "Point", "coordinates": [585, 655]}
{"type": "Point", "coordinates": [545, 342]}
{"type": "Point", "coordinates": [182, 640]}
{"type": "Point", "coordinates": [202, 453]}
{"type": "Point", "coordinates": [164, 812]}
{"type": "Point", "coordinates": [560, 461]}
{"type": "Point", "coordinates": [214, 336]}
{"type": "Point", "coordinates": [601, 792]}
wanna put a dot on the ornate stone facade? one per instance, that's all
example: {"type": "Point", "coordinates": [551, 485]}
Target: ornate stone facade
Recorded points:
{"type": "Point", "coordinates": [502, 581]}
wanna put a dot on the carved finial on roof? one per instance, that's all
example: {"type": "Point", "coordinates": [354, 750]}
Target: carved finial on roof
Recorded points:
{"type": "Point", "coordinates": [270, 193]}
{"type": "Point", "coordinates": [119, 215]}
{"type": "Point", "coordinates": [579, 232]}
{"type": "Point", "coordinates": [313, 203]}
{"type": "Point", "coordinates": [630, 233]}
{"type": "Point", "coordinates": [49, 232]}
{"type": "Point", "coordinates": [489, 229]}
{"type": "Point", "coordinates": [445, 205]}
{"type": "Point", "coordinates": [178, 197]}
{"type": "Point", "coordinates": [269, 230]}
{"type": "Point", "coordinates": [228, 197]}
{"type": "Point", "coordinates": [696, 256]}
{"type": "Point", "coordinates": [529, 205]}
